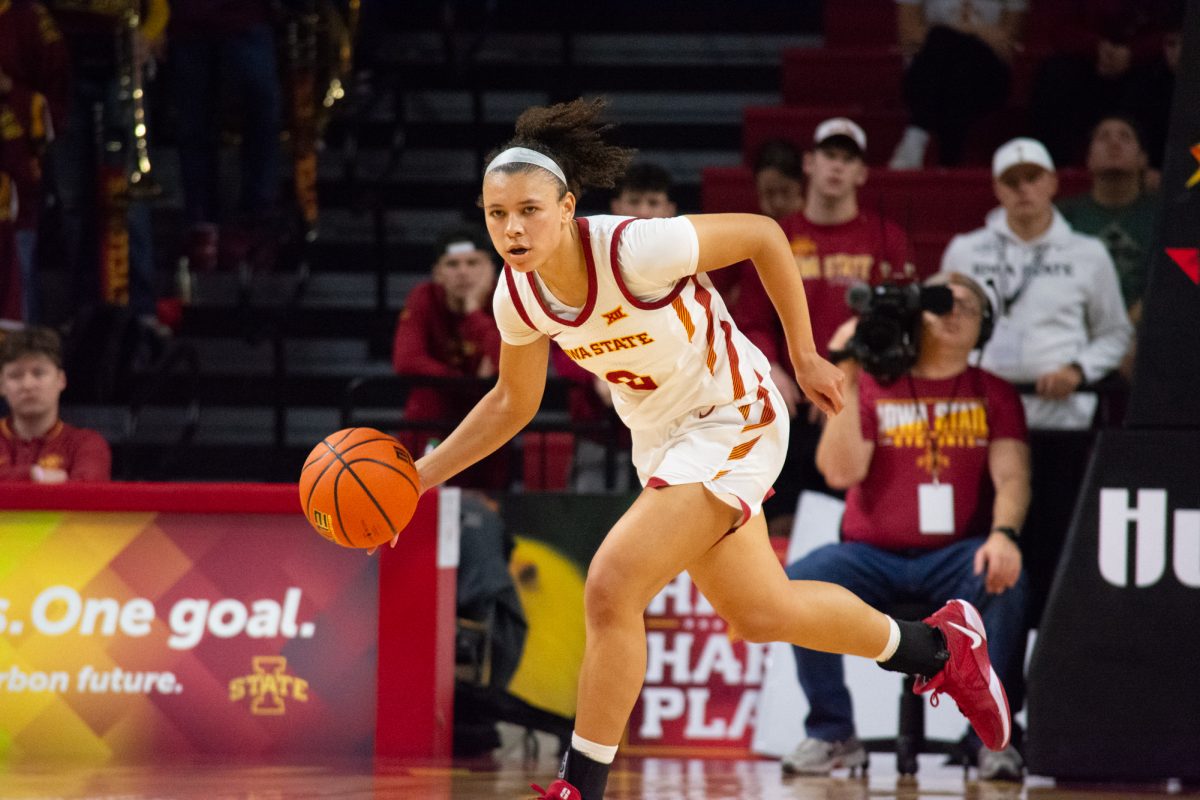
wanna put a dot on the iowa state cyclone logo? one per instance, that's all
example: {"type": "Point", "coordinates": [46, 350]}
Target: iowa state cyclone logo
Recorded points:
{"type": "Point", "coordinates": [268, 686]}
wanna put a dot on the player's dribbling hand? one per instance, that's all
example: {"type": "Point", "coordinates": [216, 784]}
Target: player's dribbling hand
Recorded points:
{"type": "Point", "coordinates": [371, 552]}
{"type": "Point", "coordinates": [821, 381]}
{"type": "Point", "coordinates": [396, 536]}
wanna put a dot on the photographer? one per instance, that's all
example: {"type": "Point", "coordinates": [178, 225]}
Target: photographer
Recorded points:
{"type": "Point", "coordinates": [937, 472]}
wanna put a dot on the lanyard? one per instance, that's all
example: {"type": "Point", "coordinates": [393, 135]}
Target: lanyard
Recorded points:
{"type": "Point", "coordinates": [1007, 301]}
{"type": "Point", "coordinates": [931, 433]}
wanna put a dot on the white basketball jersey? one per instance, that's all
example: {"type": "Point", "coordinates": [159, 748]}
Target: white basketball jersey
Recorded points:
{"type": "Point", "coordinates": [654, 330]}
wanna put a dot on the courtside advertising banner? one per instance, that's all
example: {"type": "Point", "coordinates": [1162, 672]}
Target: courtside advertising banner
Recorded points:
{"type": "Point", "coordinates": [126, 635]}
{"type": "Point", "coordinates": [702, 684]}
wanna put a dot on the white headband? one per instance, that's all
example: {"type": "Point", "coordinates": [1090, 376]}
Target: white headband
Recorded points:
{"type": "Point", "coordinates": [523, 155]}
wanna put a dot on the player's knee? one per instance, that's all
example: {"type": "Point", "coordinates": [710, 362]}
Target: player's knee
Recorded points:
{"type": "Point", "coordinates": [757, 625]}
{"type": "Point", "coordinates": [605, 596]}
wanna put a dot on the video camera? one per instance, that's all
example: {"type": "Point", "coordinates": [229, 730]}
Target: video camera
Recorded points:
{"type": "Point", "coordinates": [888, 337]}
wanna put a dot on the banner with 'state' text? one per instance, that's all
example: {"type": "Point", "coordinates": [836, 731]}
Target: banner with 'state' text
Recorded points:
{"type": "Point", "coordinates": [126, 635]}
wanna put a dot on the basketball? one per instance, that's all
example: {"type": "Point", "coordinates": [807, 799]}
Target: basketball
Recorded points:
{"type": "Point", "coordinates": [359, 487]}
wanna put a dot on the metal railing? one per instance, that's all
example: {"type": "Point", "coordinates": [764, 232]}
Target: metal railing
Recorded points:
{"type": "Point", "coordinates": [379, 401]}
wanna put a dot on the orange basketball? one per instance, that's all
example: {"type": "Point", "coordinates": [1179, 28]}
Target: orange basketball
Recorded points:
{"type": "Point", "coordinates": [359, 487]}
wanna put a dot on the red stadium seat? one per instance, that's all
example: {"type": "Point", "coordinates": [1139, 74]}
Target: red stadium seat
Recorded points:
{"type": "Point", "coordinates": [546, 460]}
{"type": "Point", "coordinates": [726, 189]}
{"type": "Point", "coordinates": [860, 22]}
{"type": "Point", "coordinates": [863, 76]}
{"type": "Point", "coordinates": [927, 249]}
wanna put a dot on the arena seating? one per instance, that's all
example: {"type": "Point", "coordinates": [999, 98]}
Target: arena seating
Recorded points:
{"type": "Point", "coordinates": [930, 205]}
{"type": "Point", "coordinates": [400, 162]}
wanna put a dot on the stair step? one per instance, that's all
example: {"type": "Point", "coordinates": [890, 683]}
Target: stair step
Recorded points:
{"type": "Point", "coordinates": [325, 289]}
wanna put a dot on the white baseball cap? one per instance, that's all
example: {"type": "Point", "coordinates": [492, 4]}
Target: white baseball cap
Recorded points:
{"type": "Point", "coordinates": [840, 126]}
{"type": "Point", "coordinates": [1021, 150]}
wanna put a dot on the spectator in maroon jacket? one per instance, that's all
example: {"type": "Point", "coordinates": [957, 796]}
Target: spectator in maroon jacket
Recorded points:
{"type": "Point", "coordinates": [446, 330]}
{"type": "Point", "coordinates": [35, 444]}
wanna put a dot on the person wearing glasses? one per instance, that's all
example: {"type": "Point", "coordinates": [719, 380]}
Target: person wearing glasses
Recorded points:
{"type": "Point", "coordinates": [936, 471]}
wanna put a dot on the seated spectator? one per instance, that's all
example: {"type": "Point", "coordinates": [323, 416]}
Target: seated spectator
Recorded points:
{"type": "Point", "coordinates": [937, 471]}
{"type": "Point", "coordinates": [779, 184]}
{"type": "Point", "coordinates": [1118, 210]}
{"type": "Point", "coordinates": [1061, 321]}
{"type": "Point", "coordinates": [837, 244]}
{"type": "Point", "coordinates": [35, 444]}
{"type": "Point", "coordinates": [961, 55]}
{"type": "Point", "coordinates": [643, 192]}
{"type": "Point", "coordinates": [446, 330]}
{"type": "Point", "coordinates": [779, 178]}
{"type": "Point", "coordinates": [1098, 45]}
{"type": "Point", "coordinates": [1151, 87]}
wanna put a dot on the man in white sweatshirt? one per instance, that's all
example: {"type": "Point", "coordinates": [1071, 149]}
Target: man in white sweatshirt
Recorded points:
{"type": "Point", "coordinates": [1061, 322]}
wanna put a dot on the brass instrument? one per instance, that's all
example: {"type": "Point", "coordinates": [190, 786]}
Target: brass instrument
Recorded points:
{"type": "Point", "coordinates": [342, 33]}
{"type": "Point", "coordinates": [140, 183]}
{"type": "Point", "coordinates": [124, 174]}
{"type": "Point", "coordinates": [317, 55]}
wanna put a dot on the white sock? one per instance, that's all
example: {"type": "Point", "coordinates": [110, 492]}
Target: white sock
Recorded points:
{"type": "Point", "coordinates": [604, 754]}
{"type": "Point", "coordinates": [893, 641]}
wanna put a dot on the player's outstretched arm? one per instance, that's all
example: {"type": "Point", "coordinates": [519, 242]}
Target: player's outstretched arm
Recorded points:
{"type": "Point", "coordinates": [729, 238]}
{"type": "Point", "coordinates": [496, 418]}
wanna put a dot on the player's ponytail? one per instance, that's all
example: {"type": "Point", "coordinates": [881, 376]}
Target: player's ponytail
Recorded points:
{"type": "Point", "coordinates": [573, 137]}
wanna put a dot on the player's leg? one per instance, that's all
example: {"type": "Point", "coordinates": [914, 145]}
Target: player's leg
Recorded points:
{"type": "Point", "coordinates": [746, 585]}
{"type": "Point", "coordinates": [742, 577]}
{"type": "Point", "coordinates": [663, 531]}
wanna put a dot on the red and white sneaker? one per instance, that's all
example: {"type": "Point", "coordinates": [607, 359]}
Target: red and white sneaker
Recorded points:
{"type": "Point", "coordinates": [559, 790]}
{"type": "Point", "coordinates": [968, 676]}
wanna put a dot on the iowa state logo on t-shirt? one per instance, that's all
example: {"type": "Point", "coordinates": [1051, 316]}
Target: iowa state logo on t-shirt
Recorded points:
{"type": "Point", "coordinates": [956, 423]}
{"type": "Point", "coordinates": [51, 461]}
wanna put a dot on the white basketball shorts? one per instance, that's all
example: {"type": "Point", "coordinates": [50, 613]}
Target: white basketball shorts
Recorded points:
{"type": "Point", "coordinates": [734, 451]}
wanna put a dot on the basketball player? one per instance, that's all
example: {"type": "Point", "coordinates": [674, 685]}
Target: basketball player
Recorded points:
{"type": "Point", "coordinates": [629, 301]}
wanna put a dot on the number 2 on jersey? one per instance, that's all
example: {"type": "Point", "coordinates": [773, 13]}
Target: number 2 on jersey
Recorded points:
{"type": "Point", "coordinates": [643, 383]}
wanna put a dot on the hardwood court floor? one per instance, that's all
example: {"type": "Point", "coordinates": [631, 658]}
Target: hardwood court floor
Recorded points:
{"type": "Point", "coordinates": [635, 779]}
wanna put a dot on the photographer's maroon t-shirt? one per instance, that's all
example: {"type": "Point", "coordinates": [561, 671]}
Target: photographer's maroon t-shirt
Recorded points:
{"type": "Point", "coordinates": [913, 423]}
